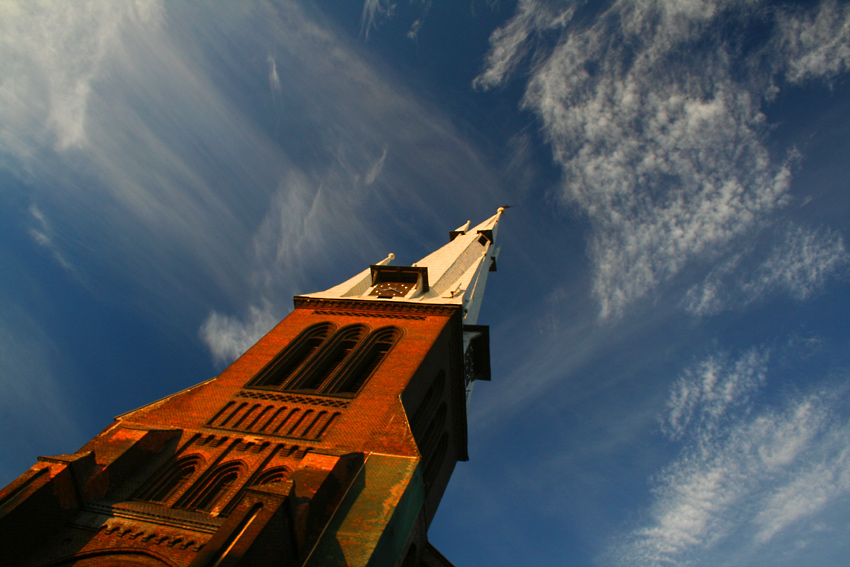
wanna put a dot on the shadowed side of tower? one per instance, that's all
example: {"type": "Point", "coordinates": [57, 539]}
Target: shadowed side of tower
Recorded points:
{"type": "Point", "coordinates": [329, 442]}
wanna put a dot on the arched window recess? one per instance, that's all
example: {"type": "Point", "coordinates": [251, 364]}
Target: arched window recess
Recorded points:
{"type": "Point", "coordinates": [292, 358]}
{"type": "Point", "coordinates": [170, 480]}
{"type": "Point", "coordinates": [351, 378]}
{"type": "Point", "coordinates": [313, 377]}
{"type": "Point", "coordinates": [271, 477]}
{"type": "Point", "coordinates": [208, 492]}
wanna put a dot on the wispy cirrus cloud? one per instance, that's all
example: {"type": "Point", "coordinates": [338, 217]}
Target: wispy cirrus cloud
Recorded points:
{"type": "Point", "coordinates": [353, 114]}
{"type": "Point", "coordinates": [374, 12]}
{"type": "Point", "coordinates": [654, 114]}
{"type": "Point", "coordinates": [42, 233]}
{"type": "Point", "coordinates": [816, 43]}
{"type": "Point", "coordinates": [223, 188]}
{"type": "Point", "coordinates": [746, 472]}
{"type": "Point", "coordinates": [33, 391]}
{"type": "Point", "coordinates": [53, 52]}
{"type": "Point", "coordinates": [800, 263]}
{"type": "Point", "coordinates": [274, 78]}
{"type": "Point", "coordinates": [707, 392]}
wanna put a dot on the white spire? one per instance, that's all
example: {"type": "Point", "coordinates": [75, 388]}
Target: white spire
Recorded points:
{"type": "Point", "coordinates": [455, 274]}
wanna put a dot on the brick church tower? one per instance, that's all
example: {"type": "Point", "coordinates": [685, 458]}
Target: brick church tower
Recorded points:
{"type": "Point", "coordinates": [329, 442]}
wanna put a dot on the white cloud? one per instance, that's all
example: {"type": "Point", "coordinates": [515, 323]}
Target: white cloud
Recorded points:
{"type": "Point", "coordinates": [374, 13]}
{"type": "Point", "coordinates": [707, 391]}
{"type": "Point", "coordinates": [809, 491]}
{"type": "Point", "coordinates": [800, 263]}
{"type": "Point", "coordinates": [655, 119]}
{"type": "Point", "coordinates": [274, 79]}
{"type": "Point", "coordinates": [376, 168]}
{"type": "Point", "coordinates": [195, 188]}
{"type": "Point", "coordinates": [746, 472]}
{"type": "Point", "coordinates": [52, 51]}
{"type": "Point", "coordinates": [817, 43]}
{"type": "Point", "coordinates": [512, 42]}
{"type": "Point", "coordinates": [304, 220]}
{"type": "Point", "coordinates": [413, 31]}
{"type": "Point", "coordinates": [43, 235]}
{"type": "Point", "coordinates": [228, 337]}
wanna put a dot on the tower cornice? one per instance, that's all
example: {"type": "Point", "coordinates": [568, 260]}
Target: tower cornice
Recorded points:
{"type": "Point", "coordinates": [379, 308]}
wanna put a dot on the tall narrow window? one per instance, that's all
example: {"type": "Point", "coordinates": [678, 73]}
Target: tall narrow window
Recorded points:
{"type": "Point", "coordinates": [208, 494]}
{"type": "Point", "coordinates": [377, 346]}
{"type": "Point", "coordinates": [294, 356]}
{"type": "Point", "coordinates": [435, 461]}
{"type": "Point", "coordinates": [428, 404]}
{"type": "Point", "coordinates": [338, 350]}
{"type": "Point", "coordinates": [165, 485]}
{"type": "Point", "coordinates": [437, 424]}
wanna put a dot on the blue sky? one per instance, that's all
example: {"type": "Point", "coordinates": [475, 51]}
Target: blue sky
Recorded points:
{"type": "Point", "coordinates": [668, 322]}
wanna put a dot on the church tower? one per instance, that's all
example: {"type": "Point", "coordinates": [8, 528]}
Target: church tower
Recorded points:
{"type": "Point", "coordinates": [330, 442]}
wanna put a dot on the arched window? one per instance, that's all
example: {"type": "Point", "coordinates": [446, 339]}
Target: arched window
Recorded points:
{"type": "Point", "coordinates": [165, 485]}
{"type": "Point", "coordinates": [209, 491]}
{"type": "Point", "coordinates": [428, 404]}
{"type": "Point", "coordinates": [272, 476]}
{"type": "Point", "coordinates": [373, 353]}
{"type": "Point", "coordinates": [435, 461]}
{"type": "Point", "coordinates": [437, 424]}
{"type": "Point", "coordinates": [294, 356]}
{"type": "Point", "coordinates": [329, 360]}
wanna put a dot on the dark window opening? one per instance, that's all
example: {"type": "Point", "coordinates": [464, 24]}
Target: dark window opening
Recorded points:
{"type": "Point", "coordinates": [294, 356]}
{"type": "Point", "coordinates": [428, 404]}
{"type": "Point", "coordinates": [329, 365]}
{"type": "Point", "coordinates": [207, 496]}
{"type": "Point", "coordinates": [272, 476]}
{"type": "Point", "coordinates": [166, 485]}
{"type": "Point", "coordinates": [435, 461]}
{"type": "Point", "coordinates": [376, 349]}
{"type": "Point", "coordinates": [437, 424]}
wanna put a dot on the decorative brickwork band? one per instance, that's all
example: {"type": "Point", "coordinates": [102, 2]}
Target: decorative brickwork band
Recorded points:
{"type": "Point", "coordinates": [273, 419]}
{"type": "Point", "coordinates": [293, 399]}
{"type": "Point", "coordinates": [366, 314]}
{"type": "Point", "coordinates": [382, 308]}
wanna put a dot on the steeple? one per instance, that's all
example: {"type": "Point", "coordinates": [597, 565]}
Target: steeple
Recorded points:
{"type": "Point", "coordinates": [455, 274]}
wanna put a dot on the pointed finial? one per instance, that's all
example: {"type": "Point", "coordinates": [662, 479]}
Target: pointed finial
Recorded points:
{"type": "Point", "coordinates": [390, 257]}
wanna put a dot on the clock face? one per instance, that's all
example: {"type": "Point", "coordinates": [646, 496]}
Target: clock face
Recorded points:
{"type": "Point", "coordinates": [392, 289]}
